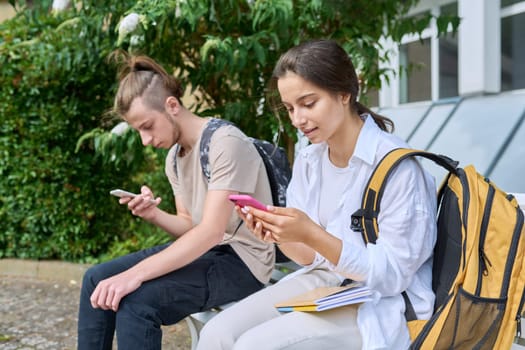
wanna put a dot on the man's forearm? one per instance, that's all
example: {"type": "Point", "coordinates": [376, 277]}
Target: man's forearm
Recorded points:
{"type": "Point", "coordinates": [175, 225]}
{"type": "Point", "coordinates": [180, 253]}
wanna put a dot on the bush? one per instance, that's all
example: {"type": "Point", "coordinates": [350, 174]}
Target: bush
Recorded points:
{"type": "Point", "coordinates": [58, 158]}
{"type": "Point", "coordinates": [54, 87]}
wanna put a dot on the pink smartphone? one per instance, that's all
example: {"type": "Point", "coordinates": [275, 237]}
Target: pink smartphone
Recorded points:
{"type": "Point", "coordinates": [244, 200]}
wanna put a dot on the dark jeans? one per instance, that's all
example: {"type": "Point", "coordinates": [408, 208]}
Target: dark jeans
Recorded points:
{"type": "Point", "coordinates": [216, 278]}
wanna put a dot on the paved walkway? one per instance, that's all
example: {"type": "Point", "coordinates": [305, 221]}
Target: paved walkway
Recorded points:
{"type": "Point", "coordinates": [39, 303]}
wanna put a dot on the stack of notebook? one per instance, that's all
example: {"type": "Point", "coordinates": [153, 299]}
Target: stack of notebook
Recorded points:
{"type": "Point", "coordinates": [325, 298]}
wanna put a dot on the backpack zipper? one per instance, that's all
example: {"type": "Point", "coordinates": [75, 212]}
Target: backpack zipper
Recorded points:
{"type": "Point", "coordinates": [518, 315]}
{"type": "Point", "coordinates": [515, 242]}
{"type": "Point", "coordinates": [483, 259]}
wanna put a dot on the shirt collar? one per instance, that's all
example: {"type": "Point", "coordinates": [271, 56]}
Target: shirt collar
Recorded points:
{"type": "Point", "coordinates": [314, 151]}
{"type": "Point", "coordinates": [365, 149]}
{"type": "Point", "coordinates": [367, 141]}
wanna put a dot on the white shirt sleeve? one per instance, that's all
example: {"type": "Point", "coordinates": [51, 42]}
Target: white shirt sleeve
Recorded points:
{"type": "Point", "coordinates": [407, 230]}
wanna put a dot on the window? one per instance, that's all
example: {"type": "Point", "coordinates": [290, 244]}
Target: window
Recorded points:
{"type": "Point", "coordinates": [448, 67]}
{"type": "Point", "coordinates": [405, 118]}
{"type": "Point", "coordinates": [510, 167]}
{"type": "Point", "coordinates": [512, 49]}
{"type": "Point", "coordinates": [448, 58]}
{"type": "Point", "coordinates": [431, 125]}
{"type": "Point", "coordinates": [432, 62]}
{"type": "Point", "coordinates": [415, 77]}
{"type": "Point", "coordinates": [478, 130]}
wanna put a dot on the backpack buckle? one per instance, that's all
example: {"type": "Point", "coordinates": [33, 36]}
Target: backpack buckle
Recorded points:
{"type": "Point", "coordinates": [356, 221]}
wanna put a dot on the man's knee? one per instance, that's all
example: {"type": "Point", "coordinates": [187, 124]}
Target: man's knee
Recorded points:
{"type": "Point", "coordinates": [132, 310]}
{"type": "Point", "coordinates": [99, 272]}
{"type": "Point", "coordinates": [91, 278]}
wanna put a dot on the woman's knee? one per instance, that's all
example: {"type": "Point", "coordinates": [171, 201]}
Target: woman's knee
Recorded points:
{"type": "Point", "coordinates": [216, 333]}
{"type": "Point", "coordinates": [214, 330]}
{"type": "Point", "coordinates": [253, 339]}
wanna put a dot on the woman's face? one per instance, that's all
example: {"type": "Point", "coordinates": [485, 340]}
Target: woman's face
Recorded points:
{"type": "Point", "coordinates": [155, 128]}
{"type": "Point", "coordinates": [314, 111]}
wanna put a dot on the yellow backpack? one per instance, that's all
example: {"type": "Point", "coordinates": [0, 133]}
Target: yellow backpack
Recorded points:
{"type": "Point", "coordinates": [479, 266]}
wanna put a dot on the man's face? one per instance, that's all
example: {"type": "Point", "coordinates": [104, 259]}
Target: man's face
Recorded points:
{"type": "Point", "coordinates": [155, 128]}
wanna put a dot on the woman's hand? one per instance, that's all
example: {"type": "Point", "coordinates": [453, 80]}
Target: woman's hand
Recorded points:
{"type": "Point", "coordinates": [253, 225]}
{"type": "Point", "coordinates": [144, 204]}
{"type": "Point", "coordinates": [279, 225]}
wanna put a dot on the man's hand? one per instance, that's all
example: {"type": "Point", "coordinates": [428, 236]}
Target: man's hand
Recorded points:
{"type": "Point", "coordinates": [143, 205]}
{"type": "Point", "coordinates": [109, 292]}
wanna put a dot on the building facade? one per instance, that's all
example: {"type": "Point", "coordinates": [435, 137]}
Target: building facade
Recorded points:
{"type": "Point", "coordinates": [465, 93]}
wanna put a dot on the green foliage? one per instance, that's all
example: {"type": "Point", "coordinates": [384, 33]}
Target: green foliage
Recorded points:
{"type": "Point", "coordinates": [54, 87]}
{"type": "Point", "coordinates": [225, 50]}
{"type": "Point", "coordinates": [58, 158]}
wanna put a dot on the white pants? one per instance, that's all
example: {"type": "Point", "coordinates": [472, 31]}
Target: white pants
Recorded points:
{"type": "Point", "coordinates": [254, 323]}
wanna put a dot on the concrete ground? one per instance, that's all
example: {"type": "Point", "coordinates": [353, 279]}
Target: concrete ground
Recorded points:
{"type": "Point", "coordinates": [39, 305]}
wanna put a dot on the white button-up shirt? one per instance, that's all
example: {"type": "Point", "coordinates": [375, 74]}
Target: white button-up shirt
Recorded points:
{"type": "Point", "coordinates": [401, 259]}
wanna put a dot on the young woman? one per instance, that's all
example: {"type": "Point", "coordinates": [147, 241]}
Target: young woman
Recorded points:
{"type": "Point", "coordinates": [318, 86]}
{"type": "Point", "coordinates": [214, 260]}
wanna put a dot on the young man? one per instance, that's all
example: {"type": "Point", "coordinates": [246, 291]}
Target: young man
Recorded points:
{"type": "Point", "coordinates": [214, 260]}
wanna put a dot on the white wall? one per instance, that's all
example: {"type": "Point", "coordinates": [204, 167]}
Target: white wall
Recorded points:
{"type": "Point", "coordinates": [479, 49]}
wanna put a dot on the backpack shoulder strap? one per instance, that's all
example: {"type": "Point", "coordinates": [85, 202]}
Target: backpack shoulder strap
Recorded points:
{"type": "Point", "coordinates": [204, 147]}
{"type": "Point", "coordinates": [364, 220]}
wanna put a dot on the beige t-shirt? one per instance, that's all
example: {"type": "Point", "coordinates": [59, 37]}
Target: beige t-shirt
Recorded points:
{"type": "Point", "coordinates": [235, 165]}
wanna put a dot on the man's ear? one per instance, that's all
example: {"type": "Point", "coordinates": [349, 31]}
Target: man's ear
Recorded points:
{"type": "Point", "coordinates": [172, 105]}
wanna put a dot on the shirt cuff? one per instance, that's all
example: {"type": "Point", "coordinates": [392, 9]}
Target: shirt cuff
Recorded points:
{"type": "Point", "coordinates": [353, 258]}
{"type": "Point", "coordinates": [318, 260]}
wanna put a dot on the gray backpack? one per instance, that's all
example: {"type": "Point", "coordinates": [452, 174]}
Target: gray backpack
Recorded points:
{"type": "Point", "coordinates": [275, 161]}
{"type": "Point", "coordinates": [274, 158]}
